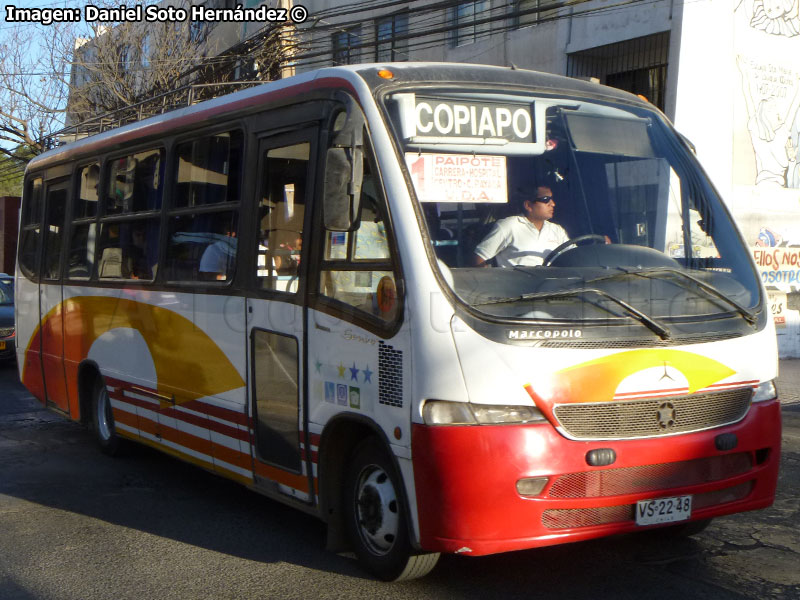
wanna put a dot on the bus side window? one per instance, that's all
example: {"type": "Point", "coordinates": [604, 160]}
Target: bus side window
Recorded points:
{"type": "Point", "coordinates": [31, 228]}
{"type": "Point", "coordinates": [128, 241]}
{"type": "Point", "coordinates": [204, 218]}
{"type": "Point", "coordinates": [358, 268]}
{"type": "Point", "coordinates": [281, 213]}
{"type": "Point", "coordinates": [55, 214]}
{"type": "Point", "coordinates": [80, 260]}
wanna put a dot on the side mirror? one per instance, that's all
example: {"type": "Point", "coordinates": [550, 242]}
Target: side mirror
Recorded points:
{"type": "Point", "coordinates": [344, 170]}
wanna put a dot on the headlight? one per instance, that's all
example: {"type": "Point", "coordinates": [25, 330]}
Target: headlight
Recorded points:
{"type": "Point", "coordinates": [438, 412]}
{"type": "Point", "coordinates": [765, 391]}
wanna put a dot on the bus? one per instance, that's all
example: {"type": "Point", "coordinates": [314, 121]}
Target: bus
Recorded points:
{"type": "Point", "coordinates": [281, 286]}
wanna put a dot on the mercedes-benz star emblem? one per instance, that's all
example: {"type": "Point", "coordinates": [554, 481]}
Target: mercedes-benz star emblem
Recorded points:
{"type": "Point", "coordinates": [666, 415]}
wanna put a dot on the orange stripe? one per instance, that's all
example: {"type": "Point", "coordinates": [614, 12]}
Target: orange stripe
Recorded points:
{"type": "Point", "coordinates": [201, 445]}
{"type": "Point", "coordinates": [124, 417]}
{"type": "Point", "coordinates": [186, 440]}
{"type": "Point", "coordinates": [148, 426]}
{"type": "Point", "coordinates": [293, 480]}
{"type": "Point", "coordinates": [198, 462]}
{"type": "Point", "coordinates": [233, 457]}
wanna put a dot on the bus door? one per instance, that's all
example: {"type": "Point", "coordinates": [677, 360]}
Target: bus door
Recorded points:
{"type": "Point", "coordinates": [51, 294]}
{"type": "Point", "coordinates": [275, 312]}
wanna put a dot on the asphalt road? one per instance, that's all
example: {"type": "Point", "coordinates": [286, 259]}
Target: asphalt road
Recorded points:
{"type": "Point", "coordinates": [75, 524]}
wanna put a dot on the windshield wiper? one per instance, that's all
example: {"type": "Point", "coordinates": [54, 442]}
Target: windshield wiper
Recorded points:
{"type": "Point", "coordinates": [649, 322]}
{"type": "Point", "coordinates": [706, 287]}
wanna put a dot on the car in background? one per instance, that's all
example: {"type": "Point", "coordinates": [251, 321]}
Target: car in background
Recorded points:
{"type": "Point", "coordinates": [7, 332]}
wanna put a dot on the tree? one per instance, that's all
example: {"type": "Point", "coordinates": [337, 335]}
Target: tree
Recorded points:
{"type": "Point", "coordinates": [123, 64]}
{"type": "Point", "coordinates": [97, 75]}
{"type": "Point", "coordinates": [32, 93]}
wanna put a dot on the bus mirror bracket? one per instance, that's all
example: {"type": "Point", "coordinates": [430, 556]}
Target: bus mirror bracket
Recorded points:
{"type": "Point", "coordinates": [344, 172]}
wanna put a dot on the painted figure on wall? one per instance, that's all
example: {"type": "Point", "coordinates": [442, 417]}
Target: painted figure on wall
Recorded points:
{"type": "Point", "coordinates": [772, 125]}
{"type": "Point", "coordinates": [776, 17]}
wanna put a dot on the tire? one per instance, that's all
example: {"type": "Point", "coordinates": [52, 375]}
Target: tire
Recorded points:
{"type": "Point", "coordinates": [375, 516]}
{"type": "Point", "coordinates": [102, 421]}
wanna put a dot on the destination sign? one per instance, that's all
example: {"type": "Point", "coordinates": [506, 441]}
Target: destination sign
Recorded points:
{"type": "Point", "coordinates": [458, 177]}
{"type": "Point", "coordinates": [438, 117]}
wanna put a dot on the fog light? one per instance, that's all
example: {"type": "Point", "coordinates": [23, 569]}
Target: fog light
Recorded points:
{"type": "Point", "coordinates": [531, 486]}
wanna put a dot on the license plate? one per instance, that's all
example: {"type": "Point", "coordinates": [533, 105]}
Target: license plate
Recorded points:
{"type": "Point", "coordinates": [663, 510]}
{"type": "Point", "coordinates": [2, 345]}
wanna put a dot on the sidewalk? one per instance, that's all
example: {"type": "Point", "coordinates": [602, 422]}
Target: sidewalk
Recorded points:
{"type": "Point", "coordinates": [789, 381]}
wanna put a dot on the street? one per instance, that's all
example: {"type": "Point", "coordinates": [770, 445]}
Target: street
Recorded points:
{"type": "Point", "coordinates": [76, 524]}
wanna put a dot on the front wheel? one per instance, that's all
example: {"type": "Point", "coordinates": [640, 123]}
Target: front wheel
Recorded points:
{"type": "Point", "coordinates": [376, 517]}
{"type": "Point", "coordinates": [102, 422]}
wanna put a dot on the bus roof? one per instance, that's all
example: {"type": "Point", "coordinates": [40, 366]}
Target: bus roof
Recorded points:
{"type": "Point", "coordinates": [359, 79]}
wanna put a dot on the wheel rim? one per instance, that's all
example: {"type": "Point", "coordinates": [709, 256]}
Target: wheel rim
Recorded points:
{"type": "Point", "coordinates": [377, 511]}
{"type": "Point", "coordinates": [104, 418]}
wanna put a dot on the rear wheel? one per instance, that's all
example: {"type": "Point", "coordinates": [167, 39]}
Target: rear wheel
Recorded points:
{"type": "Point", "coordinates": [102, 422]}
{"type": "Point", "coordinates": [376, 517]}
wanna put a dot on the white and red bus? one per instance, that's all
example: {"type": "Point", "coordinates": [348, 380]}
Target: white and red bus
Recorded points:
{"type": "Point", "coordinates": [279, 286]}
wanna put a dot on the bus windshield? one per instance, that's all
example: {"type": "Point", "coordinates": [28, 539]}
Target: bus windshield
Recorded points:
{"type": "Point", "coordinates": [563, 210]}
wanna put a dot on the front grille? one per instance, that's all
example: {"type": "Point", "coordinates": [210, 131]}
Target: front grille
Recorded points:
{"type": "Point", "coordinates": [568, 518]}
{"type": "Point", "coordinates": [653, 417]}
{"type": "Point", "coordinates": [6, 331]}
{"type": "Point", "coordinates": [649, 478]}
{"type": "Point", "coordinates": [651, 342]}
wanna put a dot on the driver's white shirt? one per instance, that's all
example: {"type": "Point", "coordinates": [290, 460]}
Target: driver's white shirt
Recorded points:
{"type": "Point", "coordinates": [516, 241]}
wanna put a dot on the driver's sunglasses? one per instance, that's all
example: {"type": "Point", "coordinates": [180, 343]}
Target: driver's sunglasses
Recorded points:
{"type": "Point", "coordinates": [543, 199]}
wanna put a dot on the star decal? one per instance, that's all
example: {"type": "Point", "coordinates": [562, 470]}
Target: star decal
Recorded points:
{"type": "Point", "coordinates": [318, 365]}
{"type": "Point", "coordinates": [367, 375]}
{"type": "Point", "coordinates": [341, 369]}
{"type": "Point", "coordinates": [353, 373]}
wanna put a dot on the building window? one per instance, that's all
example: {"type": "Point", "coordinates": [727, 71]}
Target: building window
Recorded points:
{"type": "Point", "coordinates": [638, 66]}
{"type": "Point", "coordinates": [344, 43]}
{"type": "Point", "coordinates": [467, 17]}
{"type": "Point", "coordinates": [388, 47]}
{"type": "Point", "coordinates": [526, 12]}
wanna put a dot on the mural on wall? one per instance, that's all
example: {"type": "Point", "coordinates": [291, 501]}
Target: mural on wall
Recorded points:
{"type": "Point", "coordinates": [772, 96]}
{"type": "Point", "coordinates": [776, 17]}
{"type": "Point", "coordinates": [765, 66]}
{"type": "Point", "coordinates": [767, 46]}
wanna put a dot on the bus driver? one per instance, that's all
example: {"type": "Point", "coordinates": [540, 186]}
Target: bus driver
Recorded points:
{"type": "Point", "coordinates": [524, 239]}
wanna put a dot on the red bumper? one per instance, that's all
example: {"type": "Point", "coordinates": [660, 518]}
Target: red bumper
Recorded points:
{"type": "Point", "coordinates": [466, 479]}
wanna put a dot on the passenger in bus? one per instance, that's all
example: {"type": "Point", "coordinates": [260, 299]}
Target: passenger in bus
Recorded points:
{"type": "Point", "coordinates": [524, 239]}
{"type": "Point", "coordinates": [218, 258]}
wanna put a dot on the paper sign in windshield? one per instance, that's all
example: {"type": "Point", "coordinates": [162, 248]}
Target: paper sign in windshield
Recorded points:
{"type": "Point", "coordinates": [458, 177]}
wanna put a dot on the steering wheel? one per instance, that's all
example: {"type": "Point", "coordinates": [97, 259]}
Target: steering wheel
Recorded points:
{"type": "Point", "coordinates": [561, 248]}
